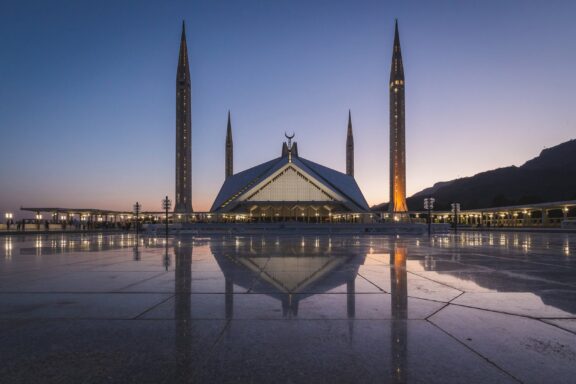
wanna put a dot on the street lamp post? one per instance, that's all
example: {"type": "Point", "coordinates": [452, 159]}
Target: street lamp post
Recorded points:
{"type": "Point", "coordinates": [38, 218]}
{"type": "Point", "coordinates": [455, 211]}
{"type": "Point", "coordinates": [137, 210]}
{"type": "Point", "coordinates": [9, 217]}
{"type": "Point", "coordinates": [166, 204]}
{"type": "Point", "coordinates": [429, 205]}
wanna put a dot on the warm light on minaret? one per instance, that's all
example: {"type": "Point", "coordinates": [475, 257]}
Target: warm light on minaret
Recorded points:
{"type": "Point", "coordinates": [183, 131]}
{"type": "Point", "coordinates": [397, 131]}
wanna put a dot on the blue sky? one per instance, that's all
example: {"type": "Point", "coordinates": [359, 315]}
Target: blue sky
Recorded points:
{"type": "Point", "coordinates": [87, 100]}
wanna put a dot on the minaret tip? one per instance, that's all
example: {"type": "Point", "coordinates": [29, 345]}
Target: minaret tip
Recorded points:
{"type": "Point", "coordinates": [349, 147]}
{"type": "Point", "coordinates": [229, 160]}
{"type": "Point", "coordinates": [229, 127]}
{"type": "Point", "coordinates": [349, 123]}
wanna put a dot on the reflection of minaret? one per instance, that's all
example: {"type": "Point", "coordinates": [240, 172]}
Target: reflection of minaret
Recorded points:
{"type": "Point", "coordinates": [229, 298]}
{"type": "Point", "coordinates": [349, 148]}
{"type": "Point", "coordinates": [183, 131]}
{"type": "Point", "coordinates": [399, 295]}
{"type": "Point", "coordinates": [229, 150]}
{"type": "Point", "coordinates": [397, 131]}
{"type": "Point", "coordinates": [351, 296]}
{"type": "Point", "coordinates": [182, 304]}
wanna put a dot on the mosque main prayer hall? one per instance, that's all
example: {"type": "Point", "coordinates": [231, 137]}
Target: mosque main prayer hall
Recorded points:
{"type": "Point", "coordinates": [289, 187]}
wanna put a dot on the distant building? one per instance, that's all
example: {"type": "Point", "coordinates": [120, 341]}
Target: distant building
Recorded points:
{"type": "Point", "coordinates": [183, 201]}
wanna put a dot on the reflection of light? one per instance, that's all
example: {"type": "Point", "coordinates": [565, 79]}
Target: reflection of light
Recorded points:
{"type": "Point", "coordinates": [8, 249]}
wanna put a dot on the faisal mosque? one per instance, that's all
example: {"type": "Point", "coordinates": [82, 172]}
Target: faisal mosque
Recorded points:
{"type": "Point", "coordinates": [290, 187]}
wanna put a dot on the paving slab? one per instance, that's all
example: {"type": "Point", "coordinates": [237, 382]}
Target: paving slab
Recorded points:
{"type": "Point", "coordinates": [528, 349]}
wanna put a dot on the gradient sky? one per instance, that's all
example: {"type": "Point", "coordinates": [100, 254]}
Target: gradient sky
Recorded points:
{"type": "Point", "coordinates": [87, 91]}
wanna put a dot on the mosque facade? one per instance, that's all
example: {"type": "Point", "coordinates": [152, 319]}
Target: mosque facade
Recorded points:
{"type": "Point", "coordinates": [290, 187]}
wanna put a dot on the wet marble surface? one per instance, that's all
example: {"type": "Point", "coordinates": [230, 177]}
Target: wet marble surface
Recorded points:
{"type": "Point", "coordinates": [474, 308]}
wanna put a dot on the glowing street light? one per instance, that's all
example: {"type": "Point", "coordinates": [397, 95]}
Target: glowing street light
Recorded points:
{"type": "Point", "coordinates": [9, 217]}
{"type": "Point", "coordinates": [455, 211]}
{"type": "Point", "coordinates": [166, 204]}
{"type": "Point", "coordinates": [137, 210]}
{"type": "Point", "coordinates": [429, 205]}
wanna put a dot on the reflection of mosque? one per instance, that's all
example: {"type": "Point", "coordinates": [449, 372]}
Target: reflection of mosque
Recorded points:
{"type": "Point", "coordinates": [310, 266]}
{"type": "Point", "coordinates": [298, 269]}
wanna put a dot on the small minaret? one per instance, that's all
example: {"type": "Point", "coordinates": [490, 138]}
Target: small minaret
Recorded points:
{"type": "Point", "coordinates": [350, 148]}
{"type": "Point", "coordinates": [183, 131]}
{"type": "Point", "coordinates": [397, 131]}
{"type": "Point", "coordinates": [229, 150]}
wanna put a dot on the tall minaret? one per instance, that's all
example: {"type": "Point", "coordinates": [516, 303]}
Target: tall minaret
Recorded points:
{"type": "Point", "coordinates": [397, 131]}
{"type": "Point", "coordinates": [229, 150]}
{"type": "Point", "coordinates": [183, 131]}
{"type": "Point", "coordinates": [350, 148]}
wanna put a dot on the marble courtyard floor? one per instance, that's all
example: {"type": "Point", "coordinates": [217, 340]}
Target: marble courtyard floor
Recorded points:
{"type": "Point", "coordinates": [112, 308]}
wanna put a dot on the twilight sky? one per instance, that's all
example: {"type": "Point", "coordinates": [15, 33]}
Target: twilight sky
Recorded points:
{"type": "Point", "coordinates": [87, 91]}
